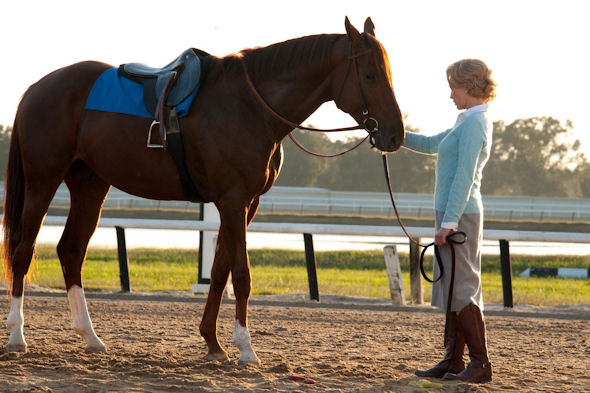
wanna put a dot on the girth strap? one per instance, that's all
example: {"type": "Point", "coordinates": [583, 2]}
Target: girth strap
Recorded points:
{"type": "Point", "coordinates": [176, 150]}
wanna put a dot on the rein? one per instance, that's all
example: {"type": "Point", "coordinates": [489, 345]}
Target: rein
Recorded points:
{"type": "Point", "coordinates": [299, 145]}
{"type": "Point", "coordinates": [281, 118]}
{"type": "Point", "coordinates": [370, 124]}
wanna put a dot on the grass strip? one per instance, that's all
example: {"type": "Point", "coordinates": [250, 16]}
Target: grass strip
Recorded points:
{"type": "Point", "coordinates": [352, 273]}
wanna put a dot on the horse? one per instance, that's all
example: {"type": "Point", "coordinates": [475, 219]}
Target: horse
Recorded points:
{"type": "Point", "coordinates": [233, 155]}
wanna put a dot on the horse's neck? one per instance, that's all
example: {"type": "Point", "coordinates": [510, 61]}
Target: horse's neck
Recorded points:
{"type": "Point", "coordinates": [296, 92]}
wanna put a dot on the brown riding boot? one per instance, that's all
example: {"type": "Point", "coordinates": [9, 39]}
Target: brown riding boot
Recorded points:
{"type": "Point", "coordinates": [454, 345]}
{"type": "Point", "coordinates": [470, 321]}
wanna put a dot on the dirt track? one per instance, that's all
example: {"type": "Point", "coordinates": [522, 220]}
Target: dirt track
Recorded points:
{"type": "Point", "coordinates": [154, 346]}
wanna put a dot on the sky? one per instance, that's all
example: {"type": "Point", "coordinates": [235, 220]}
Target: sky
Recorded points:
{"type": "Point", "coordinates": [537, 50]}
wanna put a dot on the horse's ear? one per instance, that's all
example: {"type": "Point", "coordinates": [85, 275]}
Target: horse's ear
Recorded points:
{"type": "Point", "coordinates": [351, 31]}
{"type": "Point", "coordinates": [369, 27]}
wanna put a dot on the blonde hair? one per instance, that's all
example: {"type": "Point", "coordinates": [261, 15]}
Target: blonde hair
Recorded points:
{"type": "Point", "coordinates": [475, 76]}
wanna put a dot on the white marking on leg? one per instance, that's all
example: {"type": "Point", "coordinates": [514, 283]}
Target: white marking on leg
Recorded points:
{"type": "Point", "coordinates": [15, 323]}
{"type": "Point", "coordinates": [241, 339]}
{"type": "Point", "coordinates": [81, 320]}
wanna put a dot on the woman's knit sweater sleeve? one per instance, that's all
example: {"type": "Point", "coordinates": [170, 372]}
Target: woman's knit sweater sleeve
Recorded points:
{"type": "Point", "coordinates": [424, 143]}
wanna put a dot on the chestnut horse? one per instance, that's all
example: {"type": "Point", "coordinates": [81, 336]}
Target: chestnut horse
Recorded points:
{"type": "Point", "coordinates": [233, 153]}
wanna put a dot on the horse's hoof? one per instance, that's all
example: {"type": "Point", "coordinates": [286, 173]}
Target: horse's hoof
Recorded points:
{"type": "Point", "coordinates": [16, 348]}
{"type": "Point", "coordinates": [97, 349]}
{"type": "Point", "coordinates": [244, 362]}
{"type": "Point", "coordinates": [219, 356]}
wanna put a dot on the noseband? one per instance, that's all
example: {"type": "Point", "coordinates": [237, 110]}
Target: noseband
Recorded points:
{"type": "Point", "coordinates": [369, 124]}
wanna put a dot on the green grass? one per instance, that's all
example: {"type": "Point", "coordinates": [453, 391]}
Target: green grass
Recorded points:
{"type": "Point", "coordinates": [353, 273]}
{"type": "Point", "coordinates": [149, 269]}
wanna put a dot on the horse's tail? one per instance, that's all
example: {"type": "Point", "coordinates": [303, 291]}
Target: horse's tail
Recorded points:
{"type": "Point", "coordinates": [14, 191]}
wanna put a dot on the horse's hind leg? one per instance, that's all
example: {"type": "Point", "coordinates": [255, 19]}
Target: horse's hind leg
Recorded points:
{"type": "Point", "coordinates": [36, 201]}
{"type": "Point", "coordinates": [208, 327]}
{"type": "Point", "coordinates": [87, 194]}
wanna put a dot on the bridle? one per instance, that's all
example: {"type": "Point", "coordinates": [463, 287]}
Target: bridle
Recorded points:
{"type": "Point", "coordinates": [369, 123]}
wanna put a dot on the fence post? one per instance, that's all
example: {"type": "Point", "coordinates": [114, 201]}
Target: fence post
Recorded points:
{"type": "Point", "coordinates": [312, 277]}
{"type": "Point", "coordinates": [123, 261]}
{"type": "Point", "coordinates": [506, 267]}
{"type": "Point", "coordinates": [416, 290]}
{"type": "Point", "coordinates": [394, 275]}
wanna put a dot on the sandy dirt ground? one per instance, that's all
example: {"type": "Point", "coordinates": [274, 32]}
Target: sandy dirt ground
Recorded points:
{"type": "Point", "coordinates": [154, 346]}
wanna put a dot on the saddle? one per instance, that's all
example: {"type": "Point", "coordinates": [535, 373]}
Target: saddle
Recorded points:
{"type": "Point", "coordinates": [164, 88]}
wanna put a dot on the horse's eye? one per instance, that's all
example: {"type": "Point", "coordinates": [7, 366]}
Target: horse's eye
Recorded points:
{"type": "Point", "coordinates": [370, 77]}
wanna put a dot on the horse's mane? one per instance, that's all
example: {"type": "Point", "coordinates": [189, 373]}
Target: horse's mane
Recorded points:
{"type": "Point", "coordinates": [287, 55]}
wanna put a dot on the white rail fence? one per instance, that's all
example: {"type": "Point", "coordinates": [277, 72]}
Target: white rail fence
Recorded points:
{"type": "Point", "coordinates": [301, 200]}
{"type": "Point", "coordinates": [298, 200]}
{"type": "Point", "coordinates": [308, 230]}
{"type": "Point", "coordinates": [329, 229]}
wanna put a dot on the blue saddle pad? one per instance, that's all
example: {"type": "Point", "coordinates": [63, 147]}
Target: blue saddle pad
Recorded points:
{"type": "Point", "coordinates": [114, 93]}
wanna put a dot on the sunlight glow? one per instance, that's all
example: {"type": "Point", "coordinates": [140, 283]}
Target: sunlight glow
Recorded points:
{"type": "Point", "coordinates": [533, 47]}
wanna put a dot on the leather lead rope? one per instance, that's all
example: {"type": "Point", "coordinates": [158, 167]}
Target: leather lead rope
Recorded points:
{"type": "Point", "coordinates": [451, 237]}
{"type": "Point", "coordinates": [451, 241]}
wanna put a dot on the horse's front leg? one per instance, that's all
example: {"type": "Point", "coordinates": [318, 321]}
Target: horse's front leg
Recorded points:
{"type": "Point", "coordinates": [230, 255]}
{"type": "Point", "coordinates": [242, 283]}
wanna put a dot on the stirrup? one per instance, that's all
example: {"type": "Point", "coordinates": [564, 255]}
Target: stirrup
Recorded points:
{"type": "Point", "coordinates": [150, 145]}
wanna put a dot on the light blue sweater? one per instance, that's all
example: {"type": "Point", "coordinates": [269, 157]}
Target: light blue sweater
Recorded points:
{"type": "Point", "coordinates": [462, 154]}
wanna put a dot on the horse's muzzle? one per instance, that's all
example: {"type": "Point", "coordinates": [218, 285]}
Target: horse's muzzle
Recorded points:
{"type": "Point", "coordinates": [385, 141]}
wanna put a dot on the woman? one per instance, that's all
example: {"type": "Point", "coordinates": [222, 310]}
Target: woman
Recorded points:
{"type": "Point", "coordinates": [462, 153]}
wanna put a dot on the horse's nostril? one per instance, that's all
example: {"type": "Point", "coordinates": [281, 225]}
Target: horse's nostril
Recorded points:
{"type": "Point", "coordinates": [394, 142]}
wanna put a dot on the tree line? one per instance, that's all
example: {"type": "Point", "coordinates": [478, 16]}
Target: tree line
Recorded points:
{"type": "Point", "coordinates": [534, 157]}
